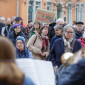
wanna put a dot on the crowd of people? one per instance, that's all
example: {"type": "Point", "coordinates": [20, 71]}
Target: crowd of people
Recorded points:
{"type": "Point", "coordinates": [43, 42]}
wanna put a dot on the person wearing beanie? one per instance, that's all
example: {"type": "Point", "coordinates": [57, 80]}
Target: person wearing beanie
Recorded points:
{"type": "Point", "coordinates": [17, 32]}
{"type": "Point", "coordinates": [58, 34]}
{"type": "Point", "coordinates": [21, 49]}
{"type": "Point", "coordinates": [10, 74]}
{"type": "Point", "coordinates": [18, 20]}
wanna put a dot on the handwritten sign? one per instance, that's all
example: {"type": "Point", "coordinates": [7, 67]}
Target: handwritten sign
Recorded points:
{"type": "Point", "coordinates": [44, 16]}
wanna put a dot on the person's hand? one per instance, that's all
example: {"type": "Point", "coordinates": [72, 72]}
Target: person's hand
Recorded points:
{"type": "Point", "coordinates": [42, 53]}
{"type": "Point", "coordinates": [55, 67]}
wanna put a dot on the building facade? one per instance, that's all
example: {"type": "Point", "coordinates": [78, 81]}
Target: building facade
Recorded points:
{"type": "Point", "coordinates": [69, 11]}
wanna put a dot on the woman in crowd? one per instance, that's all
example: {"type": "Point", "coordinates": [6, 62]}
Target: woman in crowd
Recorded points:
{"type": "Point", "coordinates": [35, 29]}
{"type": "Point", "coordinates": [17, 32]}
{"type": "Point", "coordinates": [65, 44]}
{"type": "Point", "coordinates": [38, 44]}
{"type": "Point", "coordinates": [10, 74]}
{"type": "Point", "coordinates": [58, 34]}
{"type": "Point", "coordinates": [21, 49]}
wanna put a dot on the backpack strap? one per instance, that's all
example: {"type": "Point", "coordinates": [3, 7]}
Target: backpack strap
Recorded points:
{"type": "Point", "coordinates": [35, 40]}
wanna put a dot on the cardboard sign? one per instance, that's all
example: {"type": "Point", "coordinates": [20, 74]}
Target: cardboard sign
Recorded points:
{"type": "Point", "coordinates": [44, 16]}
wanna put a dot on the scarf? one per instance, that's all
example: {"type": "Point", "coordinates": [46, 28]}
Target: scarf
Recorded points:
{"type": "Point", "coordinates": [82, 40]}
{"type": "Point", "coordinates": [67, 44]}
{"type": "Point", "coordinates": [45, 42]}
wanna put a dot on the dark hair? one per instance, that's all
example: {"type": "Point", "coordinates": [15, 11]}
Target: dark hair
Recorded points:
{"type": "Point", "coordinates": [29, 21]}
{"type": "Point", "coordinates": [42, 27]}
{"type": "Point", "coordinates": [37, 23]}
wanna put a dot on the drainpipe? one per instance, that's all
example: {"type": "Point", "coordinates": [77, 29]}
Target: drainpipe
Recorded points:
{"type": "Point", "coordinates": [17, 8]}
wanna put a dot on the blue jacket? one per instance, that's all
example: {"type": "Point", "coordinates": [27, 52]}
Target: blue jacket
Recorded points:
{"type": "Point", "coordinates": [24, 54]}
{"type": "Point", "coordinates": [53, 39]}
{"type": "Point", "coordinates": [58, 49]}
{"type": "Point", "coordinates": [78, 35]}
{"type": "Point", "coordinates": [73, 75]}
{"type": "Point", "coordinates": [12, 36]}
{"type": "Point", "coordinates": [28, 81]}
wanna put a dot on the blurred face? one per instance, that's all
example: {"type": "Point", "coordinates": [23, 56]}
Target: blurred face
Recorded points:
{"type": "Point", "coordinates": [45, 31]}
{"type": "Point", "coordinates": [79, 27]}
{"type": "Point", "coordinates": [8, 21]}
{"type": "Point", "coordinates": [19, 45]}
{"type": "Point", "coordinates": [58, 32]}
{"type": "Point", "coordinates": [17, 29]}
{"type": "Point", "coordinates": [36, 25]}
{"type": "Point", "coordinates": [30, 24]}
{"type": "Point", "coordinates": [69, 33]}
{"type": "Point", "coordinates": [60, 23]}
{"type": "Point", "coordinates": [18, 22]}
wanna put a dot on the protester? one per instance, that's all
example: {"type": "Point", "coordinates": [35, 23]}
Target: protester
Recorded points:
{"type": "Point", "coordinates": [59, 21]}
{"type": "Point", "coordinates": [79, 30]}
{"type": "Point", "coordinates": [65, 44]}
{"type": "Point", "coordinates": [14, 34]}
{"type": "Point", "coordinates": [18, 20]}
{"type": "Point", "coordinates": [10, 74]}
{"type": "Point", "coordinates": [58, 34]}
{"type": "Point", "coordinates": [38, 44]}
{"type": "Point", "coordinates": [21, 49]}
{"type": "Point", "coordinates": [35, 29]}
{"type": "Point", "coordinates": [74, 74]}
{"type": "Point", "coordinates": [3, 31]}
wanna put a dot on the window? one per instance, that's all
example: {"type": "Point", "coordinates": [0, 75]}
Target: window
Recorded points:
{"type": "Point", "coordinates": [80, 12]}
{"type": "Point", "coordinates": [30, 11]}
{"type": "Point", "coordinates": [37, 5]}
{"type": "Point", "coordinates": [49, 6]}
{"type": "Point", "coordinates": [69, 13]}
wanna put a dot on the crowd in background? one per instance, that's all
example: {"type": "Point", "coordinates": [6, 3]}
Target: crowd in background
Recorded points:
{"type": "Point", "coordinates": [43, 41]}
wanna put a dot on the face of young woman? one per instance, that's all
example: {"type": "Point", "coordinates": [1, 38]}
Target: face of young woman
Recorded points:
{"type": "Point", "coordinates": [45, 31]}
{"type": "Point", "coordinates": [36, 25]}
{"type": "Point", "coordinates": [17, 29]}
{"type": "Point", "coordinates": [19, 45]}
{"type": "Point", "coordinates": [79, 27]}
{"type": "Point", "coordinates": [69, 33]}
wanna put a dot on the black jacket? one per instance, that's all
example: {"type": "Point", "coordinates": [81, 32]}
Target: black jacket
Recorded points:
{"type": "Point", "coordinates": [74, 74]}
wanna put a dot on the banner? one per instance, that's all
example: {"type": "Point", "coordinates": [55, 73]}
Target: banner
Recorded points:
{"type": "Point", "coordinates": [45, 16]}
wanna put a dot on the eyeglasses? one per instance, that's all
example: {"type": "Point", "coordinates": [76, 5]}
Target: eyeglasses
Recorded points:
{"type": "Point", "coordinates": [69, 32]}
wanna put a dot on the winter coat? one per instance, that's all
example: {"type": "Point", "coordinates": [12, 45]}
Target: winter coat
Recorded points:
{"type": "Point", "coordinates": [51, 31]}
{"type": "Point", "coordinates": [82, 43]}
{"type": "Point", "coordinates": [73, 75]}
{"type": "Point", "coordinates": [78, 35]}
{"type": "Point", "coordinates": [12, 36]}
{"type": "Point", "coordinates": [35, 45]}
{"type": "Point", "coordinates": [3, 29]}
{"type": "Point", "coordinates": [24, 53]}
{"type": "Point", "coordinates": [58, 49]}
{"type": "Point", "coordinates": [53, 39]}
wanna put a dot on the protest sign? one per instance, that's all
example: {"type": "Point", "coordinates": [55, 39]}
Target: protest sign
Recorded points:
{"type": "Point", "coordinates": [45, 16]}
{"type": "Point", "coordinates": [41, 72]}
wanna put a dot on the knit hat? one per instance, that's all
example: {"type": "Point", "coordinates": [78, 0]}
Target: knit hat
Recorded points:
{"type": "Point", "coordinates": [16, 25]}
{"type": "Point", "coordinates": [21, 38]}
{"type": "Point", "coordinates": [18, 19]}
